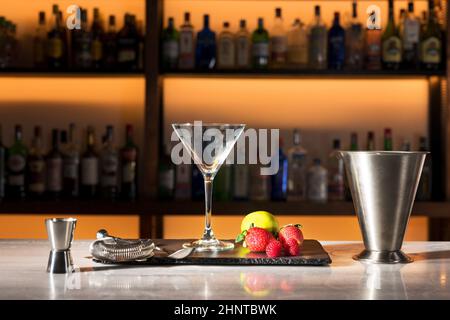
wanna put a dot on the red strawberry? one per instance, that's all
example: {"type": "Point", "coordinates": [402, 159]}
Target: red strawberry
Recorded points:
{"type": "Point", "coordinates": [290, 231]}
{"type": "Point", "coordinates": [292, 247]}
{"type": "Point", "coordinates": [257, 239]}
{"type": "Point", "coordinates": [274, 248]}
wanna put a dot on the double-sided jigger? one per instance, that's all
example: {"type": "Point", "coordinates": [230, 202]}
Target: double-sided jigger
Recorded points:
{"type": "Point", "coordinates": [383, 185]}
{"type": "Point", "coordinates": [60, 233]}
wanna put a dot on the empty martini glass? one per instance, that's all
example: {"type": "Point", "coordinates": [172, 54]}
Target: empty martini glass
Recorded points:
{"type": "Point", "coordinates": [208, 144]}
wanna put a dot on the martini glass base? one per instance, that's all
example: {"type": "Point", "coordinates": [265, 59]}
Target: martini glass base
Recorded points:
{"type": "Point", "coordinates": [212, 245]}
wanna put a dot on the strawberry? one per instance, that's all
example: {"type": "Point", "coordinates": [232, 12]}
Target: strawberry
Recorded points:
{"type": "Point", "coordinates": [290, 231]}
{"type": "Point", "coordinates": [292, 247]}
{"type": "Point", "coordinates": [256, 239]}
{"type": "Point", "coordinates": [274, 249]}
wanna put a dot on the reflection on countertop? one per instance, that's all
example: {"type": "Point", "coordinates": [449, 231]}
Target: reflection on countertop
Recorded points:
{"type": "Point", "coordinates": [23, 276]}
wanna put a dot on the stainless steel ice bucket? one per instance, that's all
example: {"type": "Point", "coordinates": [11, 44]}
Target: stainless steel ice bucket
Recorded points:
{"type": "Point", "coordinates": [383, 185]}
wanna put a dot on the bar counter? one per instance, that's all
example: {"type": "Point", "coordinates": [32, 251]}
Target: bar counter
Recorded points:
{"type": "Point", "coordinates": [23, 276]}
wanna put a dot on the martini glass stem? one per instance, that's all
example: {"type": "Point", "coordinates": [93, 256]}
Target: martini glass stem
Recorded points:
{"type": "Point", "coordinates": [208, 233]}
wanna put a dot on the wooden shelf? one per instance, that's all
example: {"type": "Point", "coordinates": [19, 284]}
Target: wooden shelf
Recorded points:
{"type": "Point", "coordinates": [152, 207]}
{"type": "Point", "coordinates": [28, 72]}
{"type": "Point", "coordinates": [298, 73]}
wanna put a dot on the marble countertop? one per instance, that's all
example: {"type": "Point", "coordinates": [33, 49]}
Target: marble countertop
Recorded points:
{"type": "Point", "coordinates": [23, 276]}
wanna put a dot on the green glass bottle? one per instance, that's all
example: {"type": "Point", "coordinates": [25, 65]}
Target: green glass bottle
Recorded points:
{"type": "Point", "coordinates": [388, 145]}
{"type": "Point", "coordinates": [391, 43]}
{"type": "Point", "coordinates": [170, 46]}
{"type": "Point", "coordinates": [431, 41]}
{"type": "Point", "coordinates": [260, 46]}
{"type": "Point", "coordinates": [16, 165]}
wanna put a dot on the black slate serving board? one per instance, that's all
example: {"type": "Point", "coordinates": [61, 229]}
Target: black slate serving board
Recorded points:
{"type": "Point", "coordinates": [311, 254]}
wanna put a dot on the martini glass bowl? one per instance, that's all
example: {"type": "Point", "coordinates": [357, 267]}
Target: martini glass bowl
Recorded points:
{"type": "Point", "coordinates": [208, 144]}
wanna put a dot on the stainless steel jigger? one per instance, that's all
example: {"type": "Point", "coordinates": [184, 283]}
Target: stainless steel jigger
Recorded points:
{"type": "Point", "coordinates": [383, 186]}
{"type": "Point", "coordinates": [60, 233]}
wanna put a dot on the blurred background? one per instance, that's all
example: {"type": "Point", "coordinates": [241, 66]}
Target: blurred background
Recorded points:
{"type": "Point", "coordinates": [328, 81]}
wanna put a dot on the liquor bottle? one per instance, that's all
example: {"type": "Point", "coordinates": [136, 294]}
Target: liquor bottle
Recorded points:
{"type": "Point", "coordinates": [260, 46]}
{"type": "Point", "coordinates": [54, 166]}
{"type": "Point", "coordinates": [170, 43]}
{"type": "Point", "coordinates": [65, 38]}
{"type": "Point", "coordinates": [16, 166]}
{"type": "Point", "coordinates": [297, 39]}
{"type": "Point", "coordinates": [406, 145]}
{"type": "Point", "coordinates": [186, 58]}
{"type": "Point", "coordinates": [431, 42]}
{"type": "Point", "coordinates": [423, 22]}
{"type": "Point", "coordinates": [183, 185]}
{"type": "Point", "coordinates": [128, 45]}
{"type": "Point", "coordinates": [370, 141]}
{"type": "Point", "coordinates": [318, 42]}
{"type": "Point", "coordinates": [109, 167]}
{"type": "Point", "coordinates": [89, 167]}
{"type": "Point", "coordinates": [424, 188]}
{"type": "Point", "coordinates": [55, 43]}
{"type": "Point", "coordinates": [205, 52]}
{"type": "Point", "coordinates": [166, 176]}
{"type": "Point", "coordinates": [411, 38]}
{"type": "Point", "coordinates": [242, 46]}
{"type": "Point", "coordinates": [226, 55]}
{"type": "Point", "coordinates": [2, 165]}
{"type": "Point", "coordinates": [82, 44]}
{"type": "Point", "coordinates": [336, 177]}
{"type": "Point", "coordinates": [110, 45]}
{"type": "Point", "coordinates": [317, 182]}
{"type": "Point", "coordinates": [354, 38]}
{"type": "Point", "coordinates": [71, 165]}
{"type": "Point", "coordinates": [259, 184]}
{"type": "Point", "coordinates": [391, 43]}
{"type": "Point", "coordinates": [401, 22]}
{"type": "Point", "coordinates": [39, 44]}
{"type": "Point", "coordinates": [36, 167]}
{"type": "Point", "coordinates": [128, 162]}
{"type": "Point", "coordinates": [373, 49]}
{"type": "Point", "coordinates": [353, 147]}
{"type": "Point", "coordinates": [336, 45]}
{"type": "Point", "coordinates": [388, 145]}
{"type": "Point", "coordinates": [278, 41]}
{"type": "Point", "coordinates": [279, 181]}
{"type": "Point", "coordinates": [198, 189]}
{"type": "Point", "coordinates": [97, 41]}
{"type": "Point", "coordinates": [297, 160]}
{"type": "Point", "coordinates": [222, 183]}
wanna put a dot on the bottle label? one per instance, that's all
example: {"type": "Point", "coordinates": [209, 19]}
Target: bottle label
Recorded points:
{"type": "Point", "coordinates": [89, 171]}
{"type": "Point", "coordinates": [55, 48]}
{"type": "Point", "coordinates": [70, 168]}
{"type": "Point", "coordinates": [170, 49]}
{"type": "Point", "coordinates": [242, 51]}
{"type": "Point", "coordinates": [279, 48]}
{"type": "Point", "coordinates": [129, 172]}
{"type": "Point", "coordinates": [186, 42]}
{"type": "Point", "coordinates": [97, 50]}
{"type": "Point", "coordinates": [37, 176]}
{"type": "Point", "coordinates": [167, 179]}
{"type": "Point", "coordinates": [16, 163]}
{"type": "Point", "coordinates": [260, 49]}
{"type": "Point", "coordinates": [411, 34]}
{"type": "Point", "coordinates": [317, 185]}
{"type": "Point", "coordinates": [126, 55]}
{"type": "Point", "coordinates": [431, 50]}
{"type": "Point", "coordinates": [110, 165]}
{"type": "Point", "coordinates": [318, 46]}
{"type": "Point", "coordinates": [54, 174]}
{"type": "Point", "coordinates": [226, 52]}
{"type": "Point", "coordinates": [392, 50]}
